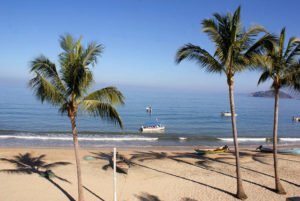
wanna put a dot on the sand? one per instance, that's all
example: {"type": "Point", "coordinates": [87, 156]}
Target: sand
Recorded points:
{"type": "Point", "coordinates": [160, 175]}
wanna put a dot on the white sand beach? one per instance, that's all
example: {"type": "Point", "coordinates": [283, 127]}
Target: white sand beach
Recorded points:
{"type": "Point", "coordinates": [160, 175]}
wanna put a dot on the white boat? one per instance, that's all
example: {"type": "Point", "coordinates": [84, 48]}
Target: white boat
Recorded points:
{"type": "Point", "coordinates": [149, 109]}
{"type": "Point", "coordinates": [227, 114]}
{"type": "Point", "coordinates": [296, 118]}
{"type": "Point", "coordinates": [152, 127]}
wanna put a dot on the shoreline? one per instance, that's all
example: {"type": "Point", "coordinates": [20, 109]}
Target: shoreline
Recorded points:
{"type": "Point", "coordinates": [242, 147]}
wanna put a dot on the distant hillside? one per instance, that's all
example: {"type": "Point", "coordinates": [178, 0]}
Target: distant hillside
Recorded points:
{"type": "Point", "coordinates": [269, 94]}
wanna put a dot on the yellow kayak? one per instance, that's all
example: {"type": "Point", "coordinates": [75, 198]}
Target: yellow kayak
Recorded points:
{"type": "Point", "coordinates": [212, 151]}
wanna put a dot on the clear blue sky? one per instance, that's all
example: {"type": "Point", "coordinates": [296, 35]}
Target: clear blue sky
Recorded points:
{"type": "Point", "coordinates": [140, 38]}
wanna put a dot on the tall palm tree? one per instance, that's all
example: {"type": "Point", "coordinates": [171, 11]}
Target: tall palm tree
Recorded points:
{"type": "Point", "coordinates": [280, 65]}
{"type": "Point", "coordinates": [68, 88]}
{"type": "Point", "coordinates": [235, 50]}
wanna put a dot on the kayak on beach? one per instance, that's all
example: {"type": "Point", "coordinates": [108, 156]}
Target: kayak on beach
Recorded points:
{"type": "Point", "coordinates": [212, 151]}
{"type": "Point", "coordinates": [270, 150]}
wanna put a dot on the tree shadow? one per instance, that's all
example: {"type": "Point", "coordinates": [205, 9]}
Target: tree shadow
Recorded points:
{"type": "Point", "coordinates": [224, 160]}
{"type": "Point", "coordinates": [27, 164]}
{"type": "Point", "coordinates": [184, 178]}
{"type": "Point", "coordinates": [204, 162]}
{"type": "Point", "coordinates": [109, 157]}
{"type": "Point", "coordinates": [149, 197]}
{"type": "Point", "coordinates": [94, 194]}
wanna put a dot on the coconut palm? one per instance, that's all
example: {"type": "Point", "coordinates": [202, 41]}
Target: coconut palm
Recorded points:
{"type": "Point", "coordinates": [235, 51]}
{"type": "Point", "coordinates": [280, 65]}
{"type": "Point", "coordinates": [68, 88]}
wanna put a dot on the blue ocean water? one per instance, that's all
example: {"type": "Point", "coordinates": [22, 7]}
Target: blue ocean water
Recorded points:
{"type": "Point", "coordinates": [191, 119]}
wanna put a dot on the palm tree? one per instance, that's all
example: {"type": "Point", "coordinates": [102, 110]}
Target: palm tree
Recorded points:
{"type": "Point", "coordinates": [235, 50]}
{"type": "Point", "coordinates": [68, 88]}
{"type": "Point", "coordinates": [280, 65]}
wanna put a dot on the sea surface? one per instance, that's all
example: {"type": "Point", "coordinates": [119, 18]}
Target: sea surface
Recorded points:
{"type": "Point", "coordinates": [191, 119]}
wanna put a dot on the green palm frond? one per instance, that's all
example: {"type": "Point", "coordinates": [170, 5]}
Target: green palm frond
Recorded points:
{"type": "Point", "coordinates": [91, 53]}
{"type": "Point", "coordinates": [201, 56]}
{"type": "Point", "coordinates": [281, 42]}
{"type": "Point", "coordinates": [294, 52]}
{"type": "Point", "coordinates": [47, 69]}
{"type": "Point", "coordinates": [103, 110]}
{"type": "Point", "coordinates": [293, 41]}
{"type": "Point", "coordinates": [109, 95]}
{"type": "Point", "coordinates": [44, 90]}
{"type": "Point", "coordinates": [264, 77]}
{"type": "Point", "coordinates": [67, 43]}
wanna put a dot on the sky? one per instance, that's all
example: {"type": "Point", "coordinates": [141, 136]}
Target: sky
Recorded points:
{"type": "Point", "coordinates": [140, 38]}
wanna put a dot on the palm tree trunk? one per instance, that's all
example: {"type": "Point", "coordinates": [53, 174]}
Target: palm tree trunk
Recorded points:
{"type": "Point", "coordinates": [279, 189]}
{"type": "Point", "coordinates": [240, 190]}
{"type": "Point", "coordinates": [75, 141]}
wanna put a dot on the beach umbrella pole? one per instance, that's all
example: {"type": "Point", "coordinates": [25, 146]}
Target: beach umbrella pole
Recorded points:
{"type": "Point", "coordinates": [115, 175]}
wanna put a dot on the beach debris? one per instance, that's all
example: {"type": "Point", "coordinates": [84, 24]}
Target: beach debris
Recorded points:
{"type": "Point", "coordinates": [89, 158]}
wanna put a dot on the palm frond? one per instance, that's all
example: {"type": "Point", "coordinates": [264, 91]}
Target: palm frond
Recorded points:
{"type": "Point", "coordinates": [91, 53]}
{"type": "Point", "coordinates": [103, 110]}
{"type": "Point", "coordinates": [67, 43]}
{"type": "Point", "coordinates": [201, 56]}
{"type": "Point", "coordinates": [293, 53]}
{"type": "Point", "coordinates": [47, 69]}
{"type": "Point", "coordinates": [293, 41]}
{"type": "Point", "coordinates": [107, 95]}
{"type": "Point", "coordinates": [265, 43]}
{"type": "Point", "coordinates": [281, 42]}
{"type": "Point", "coordinates": [264, 77]}
{"type": "Point", "coordinates": [45, 91]}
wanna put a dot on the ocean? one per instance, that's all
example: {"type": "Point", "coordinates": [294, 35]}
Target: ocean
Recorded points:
{"type": "Point", "coordinates": [191, 119]}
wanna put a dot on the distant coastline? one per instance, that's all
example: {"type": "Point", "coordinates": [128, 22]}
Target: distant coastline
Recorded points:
{"type": "Point", "coordinates": [269, 94]}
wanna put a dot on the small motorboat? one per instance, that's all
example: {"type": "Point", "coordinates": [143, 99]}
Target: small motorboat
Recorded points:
{"type": "Point", "coordinates": [156, 126]}
{"type": "Point", "coordinates": [212, 151]}
{"type": "Point", "coordinates": [296, 118]}
{"type": "Point", "coordinates": [270, 150]}
{"type": "Point", "coordinates": [149, 109]}
{"type": "Point", "coordinates": [227, 114]}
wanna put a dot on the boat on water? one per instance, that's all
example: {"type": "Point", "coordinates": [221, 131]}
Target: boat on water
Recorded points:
{"type": "Point", "coordinates": [283, 151]}
{"type": "Point", "coordinates": [296, 118]}
{"type": "Point", "coordinates": [227, 114]}
{"type": "Point", "coordinates": [149, 109]}
{"type": "Point", "coordinates": [156, 126]}
{"type": "Point", "coordinates": [212, 151]}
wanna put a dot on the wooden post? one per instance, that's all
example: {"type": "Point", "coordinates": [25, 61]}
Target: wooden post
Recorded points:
{"type": "Point", "coordinates": [115, 174]}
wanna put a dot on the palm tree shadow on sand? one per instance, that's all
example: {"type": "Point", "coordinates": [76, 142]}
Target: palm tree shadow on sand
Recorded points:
{"type": "Point", "coordinates": [204, 162]}
{"type": "Point", "coordinates": [141, 156]}
{"type": "Point", "coordinates": [27, 164]}
{"type": "Point", "coordinates": [149, 197]}
{"type": "Point", "coordinates": [109, 157]}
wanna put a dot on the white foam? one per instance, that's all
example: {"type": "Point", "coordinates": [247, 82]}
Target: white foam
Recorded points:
{"type": "Point", "coordinates": [244, 139]}
{"type": "Point", "coordinates": [79, 138]}
{"type": "Point", "coordinates": [289, 139]}
{"type": "Point", "coordinates": [182, 138]}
